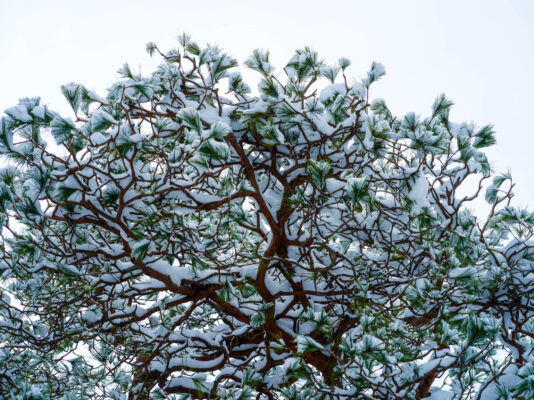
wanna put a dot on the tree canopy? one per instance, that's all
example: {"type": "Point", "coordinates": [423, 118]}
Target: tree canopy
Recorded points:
{"type": "Point", "coordinates": [187, 237]}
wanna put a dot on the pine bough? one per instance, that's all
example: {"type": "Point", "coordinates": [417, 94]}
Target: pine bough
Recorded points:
{"type": "Point", "coordinates": [184, 238]}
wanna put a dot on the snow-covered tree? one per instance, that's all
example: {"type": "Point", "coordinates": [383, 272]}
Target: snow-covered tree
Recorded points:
{"type": "Point", "coordinates": [185, 238]}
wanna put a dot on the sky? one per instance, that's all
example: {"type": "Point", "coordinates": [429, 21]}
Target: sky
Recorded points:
{"type": "Point", "coordinates": [479, 53]}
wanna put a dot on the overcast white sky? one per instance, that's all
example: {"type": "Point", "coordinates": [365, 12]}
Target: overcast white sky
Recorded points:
{"type": "Point", "coordinates": [480, 53]}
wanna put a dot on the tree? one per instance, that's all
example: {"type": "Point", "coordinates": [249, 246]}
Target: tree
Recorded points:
{"type": "Point", "coordinates": [188, 239]}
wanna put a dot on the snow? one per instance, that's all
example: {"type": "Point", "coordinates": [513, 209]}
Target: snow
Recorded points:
{"type": "Point", "coordinates": [376, 72]}
{"type": "Point", "coordinates": [19, 113]}
{"type": "Point", "coordinates": [100, 116]}
{"type": "Point", "coordinates": [274, 286]}
{"type": "Point", "coordinates": [332, 90]}
{"type": "Point", "coordinates": [136, 138]}
{"type": "Point", "coordinates": [441, 395]}
{"type": "Point", "coordinates": [304, 342]}
{"type": "Point", "coordinates": [418, 194]}
{"type": "Point", "coordinates": [163, 267]}
{"type": "Point", "coordinates": [98, 139]}
{"type": "Point", "coordinates": [182, 381]}
{"type": "Point", "coordinates": [39, 111]}
{"type": "Point", "coordinates": [250, 271]}
{"type": "Point", "coordinates": [333, 185]}
{"type": "Point", "coordinates": [461, 272]}
{"type": "Point", "coordinates": [91, 317]}
{"type": "Point", "coordinates": [190, 362]}
{"type": "Point", "coordinates": [273, 200]}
